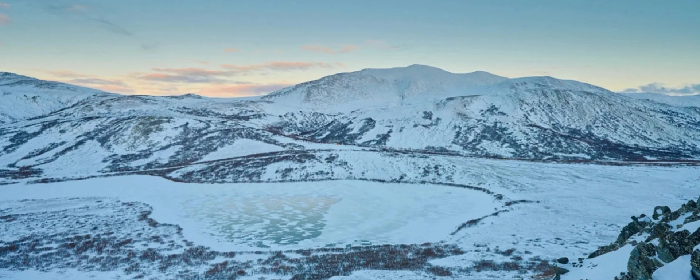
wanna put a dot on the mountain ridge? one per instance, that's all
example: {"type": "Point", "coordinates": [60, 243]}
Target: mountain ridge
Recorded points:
{"type": "Point", "coordinates": [535, 118]}
{"type": "Point", "coordinates": [381, 86]}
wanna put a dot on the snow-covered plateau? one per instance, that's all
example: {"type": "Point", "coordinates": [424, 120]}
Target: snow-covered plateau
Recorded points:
{"type": "Point", "coordinates": [401, 173]}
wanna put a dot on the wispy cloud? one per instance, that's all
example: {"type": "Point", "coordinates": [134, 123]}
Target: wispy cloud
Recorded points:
{"type": "Point", "coordinates": [77, 8]}
{"type": "Point", "coordinates": [188, 75]}
{"type": "Point", "coordinates": [5, 19]}
{"type": "Point", "coordinates": [220, 79]}
{"type": "Point", "coordinates": [278, 66]}
{"type": "Point", "coordinates": [4, 5]}
{"type": "Point", "coordinates": [241, 89]}
{"type": "Point", "coordinates": [149, 47]}
{"type": "Point", "coordinates": [111, 26]}
{"type": "Point", "coordinates": [170, 78]}
{"type": "Point", "coordinates": [97, 81]}
{"type": "Point", "coordinates": [328, 50]}
{"type": "Point", "coordinates": [231, 50]}
{"type": "Point", "coordinates": [193, 71]}
{"type": "Point", "coordinates": [660, 88]}
{"type": "Point", "coordinates": [65, 74]}
{"type": "Point", "coordinates": [92, 81]}
{"type": "Point", "coordinates": [88, 13]}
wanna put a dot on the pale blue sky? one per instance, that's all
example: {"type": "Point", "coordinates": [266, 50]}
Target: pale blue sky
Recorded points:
{"type": "Point", "coordinates": [172, 46]}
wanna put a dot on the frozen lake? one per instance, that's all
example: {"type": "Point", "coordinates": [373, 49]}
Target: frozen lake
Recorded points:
{"type": "Point", "coordinates": [288, 215]}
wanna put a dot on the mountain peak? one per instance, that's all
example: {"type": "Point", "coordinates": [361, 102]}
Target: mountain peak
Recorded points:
{"type": "Point", "coordinates": [551, 83]}
{"type": "Point", "coordinates": [425, 72]}
{"type": "Point", "coordinates": [8, 78]}
{"type": "Point", "coordinates": [8, 74]}
{"type": "Point", "coordinates": [379, 87]}
{"type": "Point", "coordinates": [37, 86]}
{"type": "Point", "coordinates": [186, 95]}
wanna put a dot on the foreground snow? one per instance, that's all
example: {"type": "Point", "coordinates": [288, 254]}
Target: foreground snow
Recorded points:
{"type": "Point", "coordinates": [572, 210]}
{"type": "Point", "coordinates": [676, 270]}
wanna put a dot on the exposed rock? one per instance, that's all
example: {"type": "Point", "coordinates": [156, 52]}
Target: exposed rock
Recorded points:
{"type": "Point", "coordinates": [672, 246]}
{"type": "Point", "coordinates": [640, 265]}
{"type": "Point", "coordinates": [657, 230]}
{"type": "Point", "coordinates": [632, 228]}
{"type": "Point", "coordinates": [695, 264]}
{"type": "Point", "coordinates": [667, 231]}
{"type": "Point", "coordinates": [660, 211]}
{"type": "Point", "coordinates": [692, 218]}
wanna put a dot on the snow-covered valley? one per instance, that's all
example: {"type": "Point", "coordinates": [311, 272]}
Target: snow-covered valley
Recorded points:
{"type": "Point", "coordinates": [565, 210]}
{"type": "Point", "coordinates": [411, 173]}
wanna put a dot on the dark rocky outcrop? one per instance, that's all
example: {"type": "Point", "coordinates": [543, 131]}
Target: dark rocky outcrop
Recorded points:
{"type": "Point", "coordinates": [660, 211]}
{"type": "Point", "coordinates": [665, 240]}
{"type": "Point", "coordinates": [695, 264]}
{"type": "Point", "coordinates": [632, 228]}
{"type": "Point", "coordinates": [641, 264]}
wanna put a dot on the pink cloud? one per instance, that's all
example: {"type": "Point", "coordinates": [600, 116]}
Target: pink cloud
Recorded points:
{"type": "Point", "coordinates": [324, 49]}
{"type": "Point", "coordinates": [192, 71]}
{"type": "Point", "coordinates": [188, 79]}
{"type": "Point", "coordinates": [4, 5]}
{"type": "Point", "coordinates": [278, 66]}
{"type": "Point", "coordinates": [230, 50]}
{"type": "Point", "coordinates": [187, 75]}
{"type": "Point", "coordinates": [92, 81]}
{"type": "Point", "coordinates": [4, 19]}
{"type": "Point", "coordinates": [241, 90]}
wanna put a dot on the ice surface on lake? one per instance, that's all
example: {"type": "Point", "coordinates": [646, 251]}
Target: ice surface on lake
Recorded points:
{"type": "Point", "coordinates": [260, 220]}
{"type": "Point", "coordinates": [288, 215]}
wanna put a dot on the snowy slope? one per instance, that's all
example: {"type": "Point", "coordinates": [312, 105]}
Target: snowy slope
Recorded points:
{"type": "Point", "coordinates": [531, 118]}
{"type": "Point", "coordinates": [23, 97]}
{"type": "Point", "coordinates": [56, 130]}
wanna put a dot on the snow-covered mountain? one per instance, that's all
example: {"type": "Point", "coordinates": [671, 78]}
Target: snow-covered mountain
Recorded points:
{"type": "Point", "coordinates": [54, 130]}
{"type": "Point", "coordinates": [675, 100]}
{"type": "Point", "coordinates": [381, 87]}
{"type": "Point", "coordinates": [22, 97]}
{"type": "Point", "coordinates": [484, 115]}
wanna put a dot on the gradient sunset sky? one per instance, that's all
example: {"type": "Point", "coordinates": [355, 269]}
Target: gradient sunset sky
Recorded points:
{"type": "Point", "coordinates": [242, 47]}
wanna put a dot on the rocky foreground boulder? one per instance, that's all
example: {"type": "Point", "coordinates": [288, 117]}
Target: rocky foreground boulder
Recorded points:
{"type": "Point", "coordinates": [695, 264]}
{"type": "Point", "coordinates": [659, 240]}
